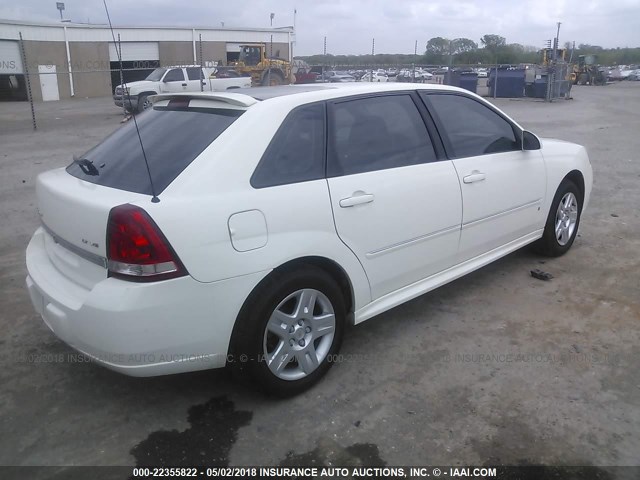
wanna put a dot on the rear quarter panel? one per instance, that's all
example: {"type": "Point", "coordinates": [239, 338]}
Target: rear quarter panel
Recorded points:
{"type": "Point", "coordinates": [194, 210]}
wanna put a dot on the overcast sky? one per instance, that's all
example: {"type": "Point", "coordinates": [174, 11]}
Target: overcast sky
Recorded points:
{"type": "Point", "coordinates": [349, 25]}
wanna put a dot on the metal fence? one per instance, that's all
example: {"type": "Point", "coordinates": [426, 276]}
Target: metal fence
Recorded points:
{"type": "Point", "coordinates": [546, 83]}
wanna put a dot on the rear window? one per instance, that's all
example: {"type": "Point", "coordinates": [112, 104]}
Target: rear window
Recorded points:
{"type": "Point", "coordinates": [172, 139]}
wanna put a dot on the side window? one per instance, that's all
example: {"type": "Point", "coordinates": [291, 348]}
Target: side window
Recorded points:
{"type": "Point", "coordinates": [296, 152]}
{"type": "Point", "coordinates": [194, 73]}
{"type": "Point", "coordinates": [377, 133]}
{"type": "Point", "coordinates": [470, 127]}
{"type": "Point", "coordinates": [174, 75]}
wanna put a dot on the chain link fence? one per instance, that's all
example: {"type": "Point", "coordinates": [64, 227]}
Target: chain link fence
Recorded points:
{"type": "Point", "coordinates": [41, 79]}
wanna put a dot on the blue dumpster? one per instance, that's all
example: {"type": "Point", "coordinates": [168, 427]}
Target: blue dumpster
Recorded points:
{"type": "Point", "coordinates": [463, 79]}
{"type": "Point", "coordinates": [537, 89]}
{"type": "Point", "coordinates": [510, 83]}
{"type": "Point", "coordinates": [469, 81]}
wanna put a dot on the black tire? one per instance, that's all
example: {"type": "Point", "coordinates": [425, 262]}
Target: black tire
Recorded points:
{"type": "Point", "coordinates": [274, 79]}
{"type": "Point", "coordinates": [249, 342]}
{"type": "Point", "coordinates": [143, 103]}
{"type": "Point", "coordinates": [549, 244]}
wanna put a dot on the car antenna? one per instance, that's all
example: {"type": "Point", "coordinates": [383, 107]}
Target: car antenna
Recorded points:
{"type": "Point", "coordinates": [154, 198]}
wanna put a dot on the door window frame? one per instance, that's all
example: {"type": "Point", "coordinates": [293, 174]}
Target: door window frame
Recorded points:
{"type": "Point", "coordinates": [427, 120]}
{"type": "Point", "coordinates": [448, 147]}
{"type": "Point", "coordinates": [181, 70]}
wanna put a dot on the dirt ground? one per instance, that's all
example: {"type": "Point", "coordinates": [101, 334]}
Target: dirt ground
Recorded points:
{"type": "Point", "coordinates": [494, 368]}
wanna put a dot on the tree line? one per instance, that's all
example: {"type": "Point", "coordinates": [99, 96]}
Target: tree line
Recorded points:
{"type": "Point", "coordinates": [492, 49]}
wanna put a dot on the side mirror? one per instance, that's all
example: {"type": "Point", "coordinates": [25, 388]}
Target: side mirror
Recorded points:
{"type": "Point", "coordinates": [530, 141]}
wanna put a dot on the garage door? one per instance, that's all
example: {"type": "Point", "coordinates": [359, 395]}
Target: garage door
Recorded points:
{"type": "Point", "coordinates": [135, 51]}
{"type": "Point", "coordinates": [234, 47]}
{"type": "Point", "coordinates": [10, 59]}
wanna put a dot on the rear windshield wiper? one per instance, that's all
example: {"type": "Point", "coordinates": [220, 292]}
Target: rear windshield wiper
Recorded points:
{"type": "Point", "coordinates": [87, 166]}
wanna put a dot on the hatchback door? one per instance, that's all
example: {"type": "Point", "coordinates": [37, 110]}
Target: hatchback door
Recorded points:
{"type": "Point", "coordinates": [395, 205]}
{"type": "Point", "coordinates": [502, 185]}
{"type": "Point", "coordinates": [74, 203]}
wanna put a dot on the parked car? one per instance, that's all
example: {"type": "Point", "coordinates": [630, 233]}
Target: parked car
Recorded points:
{"type": "Point", "coordinates": [303, 76]}
{"type": "Point", "coordinates": [482, 72]}
{"type": "Point", "coordinates": [425, 75]}
{"type": "Point", "coordinates": [378, 76]}
{"type": "Point", "coordinates": [333, 76]}
{"type": "Point", "coordinates": [634, 75]}
{"type": "Point", "coordinates": [255, 254]}
{"type": "Point", "coordinates": [135, 95]}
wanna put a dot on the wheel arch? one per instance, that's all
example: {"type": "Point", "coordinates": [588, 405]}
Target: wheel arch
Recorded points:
{"type": "Point", "coordinates": [146, 92]}
{"type": "Point", "coordinates": [331, 267]}
{"type": "Point", "coordinates": [576, 177]}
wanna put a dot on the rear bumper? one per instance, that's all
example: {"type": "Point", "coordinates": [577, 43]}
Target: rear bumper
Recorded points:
{"type": "Point", "coordinates": [139, 329]}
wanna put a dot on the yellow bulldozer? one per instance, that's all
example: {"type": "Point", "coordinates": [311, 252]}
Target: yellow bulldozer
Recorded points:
{"type": "Point", "coordinates": [588, 72]}
{"type": "Point", "coordinates": [263, 70]}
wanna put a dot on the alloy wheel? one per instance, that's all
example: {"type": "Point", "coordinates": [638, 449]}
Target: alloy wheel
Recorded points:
{"type": "Point", "coordinates": [299, 334]}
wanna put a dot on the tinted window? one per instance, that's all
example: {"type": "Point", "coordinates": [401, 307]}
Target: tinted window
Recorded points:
{"type": "Point", "coordinates": [194, 73]}
{"type": "Point", "coordinates": [472, 128]}
{"type": "Point", "coordinates": [377, 133]}
{"type": "Point", "coordinates": [174, 75]}
{"type": "Point", "coordinates": [296, 153]}
{"type": "Point", "coordinates": [156, 75]}
{"type": "Point", "coordinates": [172, 139]}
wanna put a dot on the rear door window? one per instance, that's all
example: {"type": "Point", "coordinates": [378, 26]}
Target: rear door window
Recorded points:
{"type": "Point", "coordinates": [172, 139]}
{"type": "Point", "coordinates": [377, 133]}
{"type": "Point", "coordinates": [194, 73]}
{"type": "Point", "coordinates": [296, 153]}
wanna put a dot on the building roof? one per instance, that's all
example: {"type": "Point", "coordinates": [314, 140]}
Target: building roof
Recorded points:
{"type": "Point", "coordinates": [127, 27]}
{"type": "Point", "coordinates": [92, 32]}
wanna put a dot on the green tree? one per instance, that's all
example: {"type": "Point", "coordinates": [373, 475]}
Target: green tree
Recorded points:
{"type": "Point", "coordinates": [438, 46]}
{"type": "Point", "coordinates": [493, 42]}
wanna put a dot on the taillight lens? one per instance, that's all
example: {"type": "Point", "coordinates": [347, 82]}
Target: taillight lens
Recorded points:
{"type": "Point", "coordinates": [136, 248]}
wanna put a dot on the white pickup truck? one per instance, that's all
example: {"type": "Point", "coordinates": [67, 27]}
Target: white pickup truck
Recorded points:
{"type": "Point", "coordinates": [172, 80]}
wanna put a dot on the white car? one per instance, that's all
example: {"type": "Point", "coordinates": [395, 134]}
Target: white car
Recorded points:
{"type": "Point", "coordinates": [378, 76]}
{"type": "Point", "coordinates": [346, 202]}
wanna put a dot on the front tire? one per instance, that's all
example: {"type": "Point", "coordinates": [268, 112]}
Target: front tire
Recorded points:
{"type": "Point", "coordinates": [143, 103]}
{"type": "Point", "coordinates": [562, 222]}
{"type": "Point", "coordinates": [289, 331]}
{"type": "Point", "coordinates": [274, 79]}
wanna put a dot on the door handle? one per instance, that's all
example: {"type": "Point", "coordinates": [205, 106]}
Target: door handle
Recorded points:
{"type": "Point", "coordinates": [475, 176]}
{"type": "Point", "coordinates": [184, 84]}
{"type": "Point", "coordinates": [358, 198]}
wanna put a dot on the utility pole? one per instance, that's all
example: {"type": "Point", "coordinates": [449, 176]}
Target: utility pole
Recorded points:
{"type": "Point", "coordinates": [415, 58]}
{"type": "Point", "coordinates": [373, 52]}
{"type": "Point", "coordinates": [324, 58]}
{"type": "Point", "coordinates": [270, 50]}
{"type": "Point", "coordinates": [556, 43]}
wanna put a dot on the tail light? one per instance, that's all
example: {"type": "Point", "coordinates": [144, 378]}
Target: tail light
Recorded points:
{"type": "Point", "coordinates": [136, 248]}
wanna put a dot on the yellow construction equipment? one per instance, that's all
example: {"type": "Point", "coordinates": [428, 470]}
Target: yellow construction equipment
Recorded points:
{"type": "Point", "coordinates": [253, 61]}
{"type": "Point", "coordinates": [587, 71]}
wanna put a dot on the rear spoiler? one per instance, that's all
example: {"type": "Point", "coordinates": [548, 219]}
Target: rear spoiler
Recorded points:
{"type": "Point", "coordinates": [236, 99]}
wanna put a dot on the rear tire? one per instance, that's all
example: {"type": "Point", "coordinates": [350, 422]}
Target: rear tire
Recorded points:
{"type": "Point", "coordinates": [562, 222]}
{"type": "Point", "coordinates": [282, 346]}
